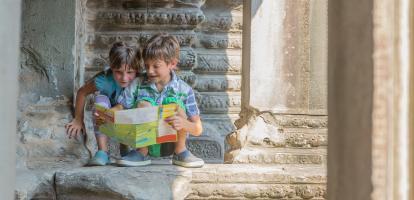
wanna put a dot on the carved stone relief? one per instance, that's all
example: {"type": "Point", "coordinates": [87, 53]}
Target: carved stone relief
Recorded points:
{"type": "Point", "coordinates": [157, 17]}
{"type": "Point", "coordinates": [218, 63]}
{"type": "Point", "coordinates": [105, 41]}
{"type": "Point", "coordinates": [219, 102]}
{"type": "Point", "coordinates": [218, 83]}
{"type": "Point", "coordinates": [206, 149]}
{"type": "Point", "coordinates": [224, 23]}
{"type": "Point", "coordinates": [187, 76]}
{"type": "Point", "coordinates": [221, 42]}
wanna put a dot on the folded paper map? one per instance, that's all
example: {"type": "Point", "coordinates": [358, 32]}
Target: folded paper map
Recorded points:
{"type": "Point", "coordinates": [139, 127]}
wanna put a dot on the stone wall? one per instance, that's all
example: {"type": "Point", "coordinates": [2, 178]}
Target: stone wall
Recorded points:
{"type": "Point", "coordinates": [46, 85]}
{"type": "Point", "coordinates": [209, 33]}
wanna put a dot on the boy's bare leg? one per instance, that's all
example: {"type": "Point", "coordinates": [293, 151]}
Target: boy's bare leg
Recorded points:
{"type": "Point", "coordinates": [102, 141]}
{"type": "Point", "coordinates": [182, 156]}
{"type": "Point", "coordinates": [181, 135]}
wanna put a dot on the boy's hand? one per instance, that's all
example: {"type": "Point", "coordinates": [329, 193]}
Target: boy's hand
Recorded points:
{"type": "Point", "coordinates": [177, 122]}
{"type": "Point", "coordinates": [75, 128]}
{"type": "Point", "coordinates": [99, 120]}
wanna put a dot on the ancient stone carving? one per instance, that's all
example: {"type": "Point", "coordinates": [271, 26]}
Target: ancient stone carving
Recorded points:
{"type": "Point", "coordinates": [214, 84]}
{"type": "Point", "coordinates": [302, 140]}
{"type": "Point", "coordinates": [190, 3]}
{"type": "Point", "coordinates": [96, 61]}
{"type": "Point", "coordinates": [266, 191]}
{"type": "Point", "coordinates": [218, 63]}
{"type": "Point", "coordinates": [187, 76]}
{"type": "Point", "coordinates": [304, 121]}
{"type": "Point", "coordinates": [225, 23]}
{"type": "Point", "coordinates": [105, 41]}
{"type": "Point", "coordinates": [222, 103]}
{"type": "Point", "coordinates": [221, 42]}
{"type": "Point", "coordinates": [205, 149]}
{"type": "Point", "coordinates": [141, 17]}
{"type": "Point", "coordinates": [118, 17]}
{"type": "Point", "coordinates": [187, 59]}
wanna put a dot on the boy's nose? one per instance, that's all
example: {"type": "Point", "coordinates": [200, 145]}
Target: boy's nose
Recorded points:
{"type": "Point", "coordinates": [124, 76]}
{"type": "Point", "coordinates": [150, 70]}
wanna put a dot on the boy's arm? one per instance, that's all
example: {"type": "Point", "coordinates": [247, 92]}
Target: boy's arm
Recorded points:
{"type": "Point", "coordinates": [74, 128]}
{"type": "Point", "coordinates": [192, 125]}
{"type": "Point", "coordinates": [195, 127]}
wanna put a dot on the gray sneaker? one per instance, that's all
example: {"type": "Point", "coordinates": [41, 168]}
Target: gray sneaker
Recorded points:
{"type": "Point", "coordinates": [187, 159]}
{"type": "Point", "coordinates": [134, 159]}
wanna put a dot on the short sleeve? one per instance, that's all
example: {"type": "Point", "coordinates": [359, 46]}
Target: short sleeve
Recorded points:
{"type": "Point", "coordinates": [128, 96]}
{"type": "Point", "coordinates": [107, 86]}
{"type": "Point", "coordinates": [191, 104]}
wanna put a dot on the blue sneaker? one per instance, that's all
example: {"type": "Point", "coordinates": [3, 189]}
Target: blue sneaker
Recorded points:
{"type": "Point", "coordinates": [101, 158]}
{"type": "Point", "coordinates": [134, 159]}
{"type": "Point", "coordinates": [187, 159]}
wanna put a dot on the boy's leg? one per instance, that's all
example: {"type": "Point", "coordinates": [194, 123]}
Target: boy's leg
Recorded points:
{"type": "Point", "coordinates": [182, 156]}
{"type": "Point", "coordinates": [101, 157]}
{"type": "Point", "coordinates": [136, 157]}
{"type": "Point", "coordinates": [181, 135]}
{"type": "Point", "coordinates": [123, 149]}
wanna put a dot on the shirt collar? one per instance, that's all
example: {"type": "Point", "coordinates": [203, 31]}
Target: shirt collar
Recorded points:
{"type": "Point", "coordinates": [172, 83]}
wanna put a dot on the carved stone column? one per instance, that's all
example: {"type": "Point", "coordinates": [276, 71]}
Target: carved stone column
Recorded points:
{"type": "Point", "coordinates": [284, 83]}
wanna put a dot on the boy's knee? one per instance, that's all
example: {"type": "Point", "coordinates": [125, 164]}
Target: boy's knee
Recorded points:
{"type": "Point", "coordinates": [102, 100]}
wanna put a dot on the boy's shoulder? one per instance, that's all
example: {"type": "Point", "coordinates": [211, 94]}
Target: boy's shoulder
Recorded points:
{"type": "Point", "coordinates": [181, 85]}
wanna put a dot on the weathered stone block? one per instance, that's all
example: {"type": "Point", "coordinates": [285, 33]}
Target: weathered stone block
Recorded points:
{"type": "Point", "coordinates": [218, 63]}
{"type": "Point", "coordinates": [209, 150]}
{"type": "Point", "coordinates": [218, 83]}
{"type": "Point", "coordinates": [210, 102]}
{"type": "Point", "coordinates": [233, 41]}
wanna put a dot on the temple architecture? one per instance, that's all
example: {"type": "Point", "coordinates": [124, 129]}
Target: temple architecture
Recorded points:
{"type": "Point", "coordinates": [259, 69]}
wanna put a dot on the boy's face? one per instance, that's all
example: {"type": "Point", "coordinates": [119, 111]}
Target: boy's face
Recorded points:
{"type": "Point", "coordinates": [124, 75]}
{"type": "Point", "coordinates": [158, 71]}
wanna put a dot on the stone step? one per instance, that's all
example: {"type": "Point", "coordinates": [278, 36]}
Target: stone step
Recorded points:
{"type": "Point", "coordinates": [213, 181]}
{"type": "Point", "coordinates": [257, 154]}
{"type": "Point", "coordinates": [249, 181]}
{"type": "Point", "coordinates": [221, 181]}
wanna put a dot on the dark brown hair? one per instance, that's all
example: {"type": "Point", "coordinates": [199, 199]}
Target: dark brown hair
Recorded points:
{"type": "Point", "coordinates": [122, 54]}
{"type": "Point", "coordinates": [162, 46]}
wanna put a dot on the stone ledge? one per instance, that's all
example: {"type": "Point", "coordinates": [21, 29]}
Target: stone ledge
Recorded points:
{"type": "Point", "coordinates": [213, 181]}
{"type": "Point", "coordinates": [258, 155]}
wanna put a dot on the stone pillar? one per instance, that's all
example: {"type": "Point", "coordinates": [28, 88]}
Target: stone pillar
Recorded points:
{"type": "Point", "coordinates": [284, 80]}
{"type": "Point", "coordinates": [350, 100]}
{"type": "Point", "coordinates": [10, 11]}
{"type": "Point", "coordinates": [285, 71]}
{"type": "Point", "coordinates": [279, 64]}
{"type": "Point", "coordinates": [370, 100]}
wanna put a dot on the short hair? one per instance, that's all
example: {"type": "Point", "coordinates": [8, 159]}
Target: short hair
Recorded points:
{"type": "Point", "coordinates": [162, 46]}
{"type": "Point", "coordinates": [123, 54]}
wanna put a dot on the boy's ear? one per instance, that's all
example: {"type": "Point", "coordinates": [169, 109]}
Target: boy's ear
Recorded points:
{"type": "Point", "coordinates": [174, 64]}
